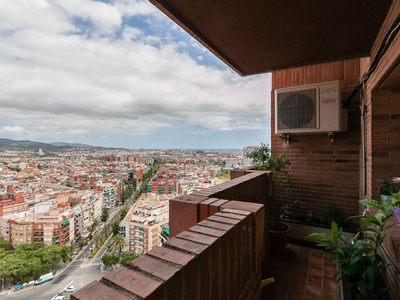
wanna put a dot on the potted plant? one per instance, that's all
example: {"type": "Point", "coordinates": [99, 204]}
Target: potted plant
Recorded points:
{"type": "Point", "coordinates": [386, 191]}
{"type": "Point", "coordinates": [331, 214]}
{"type": "Point", "coordinates": [304, 223]}
{"type": "Point", "coordinates": [282, 185]}
{"type": "Point", "coordinates": [360, 261]}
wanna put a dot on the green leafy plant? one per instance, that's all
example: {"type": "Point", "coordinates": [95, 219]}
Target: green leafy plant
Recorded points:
{"type": "Point", "coordinates": [288, 212]}
{"type": "Point", "coordinates": [385, 189]}
{"type": "Point", "coordinates": [281, 180]}
{"type": "Point", "coordinates": [331, 215]}
{"type": "Point", "coordinates": [308, 214]}
{"type": "Point", "coordinates": [360, 262]}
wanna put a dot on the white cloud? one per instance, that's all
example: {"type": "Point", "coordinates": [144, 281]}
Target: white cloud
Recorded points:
{"type": "Point", "coordinates": [103, 137]}
{"type": "Point", "coordinates": [73, 84]}
{"type": "Point", "coordinates": [12, 129]}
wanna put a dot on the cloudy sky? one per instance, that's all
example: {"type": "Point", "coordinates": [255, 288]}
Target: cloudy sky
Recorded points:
{"type": "Point", "coordinates": [120, 73]}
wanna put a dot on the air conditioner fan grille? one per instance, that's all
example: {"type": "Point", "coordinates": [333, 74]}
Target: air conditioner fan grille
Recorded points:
{"type": "Point", "coordinates": [297, 109]}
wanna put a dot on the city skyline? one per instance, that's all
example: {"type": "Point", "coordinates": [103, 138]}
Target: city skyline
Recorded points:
{"type": "Point", "coordinates": [120, 74]}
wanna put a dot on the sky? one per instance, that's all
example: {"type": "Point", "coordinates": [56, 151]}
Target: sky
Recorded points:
{"type": "Point", "coordinates": [120, 73]}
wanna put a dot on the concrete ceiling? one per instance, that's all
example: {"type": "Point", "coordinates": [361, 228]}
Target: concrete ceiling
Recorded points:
{"type": "Point", "coordinates": [260, 36]}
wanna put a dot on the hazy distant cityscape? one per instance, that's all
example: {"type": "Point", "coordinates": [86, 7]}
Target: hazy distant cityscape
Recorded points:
{"type": "Point", "coordinates": [67, 199]}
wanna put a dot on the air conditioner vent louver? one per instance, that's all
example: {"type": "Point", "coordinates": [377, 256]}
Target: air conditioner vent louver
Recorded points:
{"type": "Point", "coordinates": [297, 109]}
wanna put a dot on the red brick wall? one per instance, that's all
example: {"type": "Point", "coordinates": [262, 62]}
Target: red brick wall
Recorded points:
{"type": "Point", "coordinates": [323, 172]}
{"type": "Point", "coordinates": [383, 139]}
{"type": "Point", "coordinates": [382, 125]}
{"type": "Point", "coordinates": [382, 122]}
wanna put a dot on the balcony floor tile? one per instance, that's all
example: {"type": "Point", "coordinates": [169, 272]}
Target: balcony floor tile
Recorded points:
{"type": "Point", "coordinates": [303, 272]}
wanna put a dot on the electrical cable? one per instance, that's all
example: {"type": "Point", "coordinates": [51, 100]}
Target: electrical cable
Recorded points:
{"type": "Point", "coordinates": [387, 40]}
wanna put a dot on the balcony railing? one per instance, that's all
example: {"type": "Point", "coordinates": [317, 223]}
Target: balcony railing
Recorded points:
{"type": "Point", "coordinates": [217, 248]}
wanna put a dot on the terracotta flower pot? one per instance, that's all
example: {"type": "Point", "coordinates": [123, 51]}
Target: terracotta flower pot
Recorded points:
{"type": "Point", "coordinates": [278, 240]}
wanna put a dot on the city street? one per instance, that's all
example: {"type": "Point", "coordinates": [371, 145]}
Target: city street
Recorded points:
{"type": "Point", "coordinates": [80, 272]}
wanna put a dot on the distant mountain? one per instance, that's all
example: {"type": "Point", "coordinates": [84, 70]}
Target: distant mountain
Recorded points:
{"type": "Point", "coordinates": [7, 144]}
{"type": "Point", "coordinates": [62, 144]}
{"type": "Point", "coordinates": [26, 144]}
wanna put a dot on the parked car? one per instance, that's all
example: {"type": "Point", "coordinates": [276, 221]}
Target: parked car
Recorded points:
{"type": "Point", "coordinates": [71, 288]}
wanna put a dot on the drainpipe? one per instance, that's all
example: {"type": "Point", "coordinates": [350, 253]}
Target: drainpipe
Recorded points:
{"type": "Point", "coordinates": [364, 162]}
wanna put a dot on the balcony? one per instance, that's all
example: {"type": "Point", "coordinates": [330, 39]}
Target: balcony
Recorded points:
{"type": "Point", "coordinates": [273, 36]}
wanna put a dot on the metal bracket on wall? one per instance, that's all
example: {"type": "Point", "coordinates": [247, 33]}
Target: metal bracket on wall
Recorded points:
{"type": "Point", "coordinates": [331, 137]}
{"type": "Point", "coordinates": [284, 137]}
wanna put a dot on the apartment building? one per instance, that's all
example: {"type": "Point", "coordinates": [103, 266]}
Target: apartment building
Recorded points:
{"type": "Point", "coordinates": [55, 226]}
{"type": "Point", "coordinates": [144, 223]}
{"type": "Point", "coordinates": [111, 192]}
{"type": "Point", "coordinates": [163, 187]}
{"type": "Point", "coordinates": [78, 221]}
{"type": "Point", "coordinates": [12, 202]}
{"type": "Point", "coordinates": [22, 231]}
{"type": "Point", "coordinates": [5, 224]}
{"type": "Point", "coordinates": [91, 203]}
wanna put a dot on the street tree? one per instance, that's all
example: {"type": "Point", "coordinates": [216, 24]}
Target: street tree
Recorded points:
{"type": "Point", "coordinates": [65, 251]}
{"type": "Point", "coordinates": [72, 248]}
{"type": "Point", "coordinates": [97, 237]}
{"type": "Point", "coordinates": [109, 259]}
{"type": "Point", "coordinates": [115, 228]}
{"type": "Point", "coordinates": [104, 215]}
{"type": "Point", "coordinates": [6, 245]}
{"type": "Point", "coordinates": [117, 244]}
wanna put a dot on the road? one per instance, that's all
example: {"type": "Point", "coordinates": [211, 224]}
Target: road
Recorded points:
{"type": "Point", "coordinates": [81, 271]}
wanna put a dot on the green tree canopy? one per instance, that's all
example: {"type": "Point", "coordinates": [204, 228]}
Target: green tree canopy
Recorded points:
{"type": "Point", "coordinates": [109, 259]}
{"type": "Point", "coordinates": [127, 257]}
{"type": "Point", "coordinates": [6, 245]}
{"type": "Point", "coordinates": [117, 244]}
{"type": "Point", "coordinates": [115, 228]}
{"type": "Point", "coordinates": [104, 215]}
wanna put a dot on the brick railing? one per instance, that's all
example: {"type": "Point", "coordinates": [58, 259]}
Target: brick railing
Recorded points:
{"type": "Point", "coordinates": [255, 187]}
{"type": "Point", "coordinates": [216, 249]}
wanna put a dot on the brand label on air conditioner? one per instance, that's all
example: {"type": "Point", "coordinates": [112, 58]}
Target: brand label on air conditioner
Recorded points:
{"type": "Point", "coordinates": [328, 101]}
{"type": "Point", "coordinates": [328, 90]}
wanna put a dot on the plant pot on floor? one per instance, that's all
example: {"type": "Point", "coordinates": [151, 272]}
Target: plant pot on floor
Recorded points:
{"type": "Point", "coordinates": [278, 239]}
{"type": "Point", "coordinates": [301, 229]}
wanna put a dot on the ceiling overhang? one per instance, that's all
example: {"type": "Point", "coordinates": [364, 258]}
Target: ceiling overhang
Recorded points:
{"type": "Point", "coordinates": [254, 37]}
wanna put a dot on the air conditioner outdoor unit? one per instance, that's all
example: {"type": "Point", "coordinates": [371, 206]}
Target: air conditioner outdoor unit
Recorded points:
{"type": "Point", "coordinates": [314, 108]}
